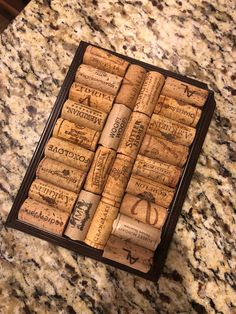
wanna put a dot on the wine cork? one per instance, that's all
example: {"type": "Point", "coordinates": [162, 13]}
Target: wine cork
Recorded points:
{"type": "Point", "coordinates": [136, 232]}
{"type": "Point", "coordinates": [128, 254]}
{"type": "Point", "coordinates": [99, 170]}
{"type": "Point", "coordinates": [60, 174]}
{"type": "Point", "coordinates": [101, 225]}
{"type": "Point", "coordinates": [133, 135]}
{"type": "Point", "coordinates": [91, 97]}
{"type": "Point", "coordinates": [158, 171]}
{"type": "Point", "coordinates": [178, 110]}
{"type": "Point", "coordinates": [185, 92]}
{"type": "Point", "coordinates": [68, 153]}
{"type": "Point", "coordinates": [157, 148]}
{"type": "Point", "coordinates": [83, 115]}
{"type": "Point", "coordinates": [115, 126]}
{"type": "Point", "coordinates": [77, 134]}
{"type": "Point", "coordinates": [143, 210]}
{"type": "Point", "coordinates": [98, 79]}
{"type": "Point", "coordinates": [43, 216]}
{"type": "Point", "coordinates": [131, 86]}
{"type": "Point", "coordinates": [105, 61]}
{"type": "Point", "coordinates": [82, 215]}
{"type": "Point", "coordinates": [171, 130]}
{"type": "Point", "coordinates": [150, 190]}
{"type": "Point", "coordinates": [118, 178]}
{"type": "Point", "coordinates": [52, 195]}
{"type": "Point", "coordinates": [149, 93]}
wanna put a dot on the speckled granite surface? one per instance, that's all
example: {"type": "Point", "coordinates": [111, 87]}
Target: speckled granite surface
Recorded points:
{"type": "Point", "coordinates": [194, 38]}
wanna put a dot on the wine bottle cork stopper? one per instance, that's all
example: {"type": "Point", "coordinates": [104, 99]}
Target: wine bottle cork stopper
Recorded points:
{"type": "Point", "coordinates": [80, 135]}
{"type": "Point", "coordinates": [83, 115]}
{"type": "Point", "coordinates": [157, 148]}
{"type": "Point", "coordinates": [131, 86]}
{"type": "Point", "coordinates": [136, 232]}
{"type": "Point", "coordinates": [149, 93]}
{"type": "Point", "coordinates": [143, 210]}
{"type": "Point", "coordinates": [171, 130]}
{"type": "Point", "coordinates": [101, 225]}
{"type": "Point", "coordinates": [52, 195]}
{"type": "Point", "coordinates": [156, 170]}
{"type": "Point", "coordinates": [60, 174]}
{"type": "Point", "coordinates": [118, 178]}
{"type": "Point", "coordinates": [100, 169]}
{"type": "Point", "coordinates": [91, 97]}
{"type": "Point", "coordinates": [68, 153]}
{"type": "Point", "coordinates": [185, 92]}
{"type": "Point", "coordinates": [43, 217]}
{"type": "Point", "coordinates": [178, 110]}
{"type": "Point", "coordinates": [82, 215]}
{"type": "Point", "coordinates": [115, 126]}
{"type": "Point", "coordinates": [133, 134]}
{"type": "Point", "coordinates": [98, 79]}
{"type": "Point", "coordinates": [129, 254]}
{"type": "Point", "coordinates": [150, 190]}
{"type": "Point", "coordinates": [105, 61]}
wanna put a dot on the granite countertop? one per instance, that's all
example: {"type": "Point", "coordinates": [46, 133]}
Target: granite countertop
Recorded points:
{"type": "Point", "coordinates": [194, 38]}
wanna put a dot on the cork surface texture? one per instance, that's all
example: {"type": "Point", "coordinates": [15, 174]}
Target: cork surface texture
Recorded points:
{"type": "Point", "coordinates": [198, 274]}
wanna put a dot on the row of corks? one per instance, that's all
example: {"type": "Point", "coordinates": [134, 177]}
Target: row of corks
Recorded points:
{"type": "Point", "coordinates": [138, 180]}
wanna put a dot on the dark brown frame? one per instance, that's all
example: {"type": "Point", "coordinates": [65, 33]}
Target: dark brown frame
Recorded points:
{"type": "Point", "coordinates": [180, 194]}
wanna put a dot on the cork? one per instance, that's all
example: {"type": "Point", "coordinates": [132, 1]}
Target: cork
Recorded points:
{"type": "Point", "coordinates": [143, 210]}
{"type": "Point", "coordinates": [131, 86]}
{"type": "Point", "coordinates": [52, 195]}
{"type": "Point", "coordinates": [185, 92]}
{"type": "Point", "coordinates": [115, 126]}
{"type": "Point", "coordinates": [105, 61]}
{"type": "Point", "coordinates": [101, 225]}
{"type": "Point", "coordinates": [150, 190]}
{"type": "Point", "coordinates": [171, 130]}
{"type": "Point", "coordinates": [83, 115]}
{"type": "Point", "coordinates": [178, 110]}
{"type": "Point", "coordinates": [149, 93]}
{"type": "Point", "coordinates": [82, 215]}
{"type": "Point", "coordinates": [157, 148]}
{"type": "Point", "coordinates": [98, 79]}
{"type": "Point", "coordinates": [128, 254]}
{"type": "Point", "coordinates": [60, 174]}
{"type": "Point", "coordinates": [136, 232]}
{"type": "Point", "coordinates": [118, 178]}
{"type": "Point", "coordinates": [157, 170]}
{"type": "Point", "coordinates": [68, 153]}
{"type": "Point", "coordinates": [133, 135]}
{"type": "Point", "coordinates": [80, 135]}
{"type": "Point", "coordinates": [100, 169]}
{"type": "Point", "coordinates": [43, 216]}
{"type": "Point", "coordinates": [91, 97]}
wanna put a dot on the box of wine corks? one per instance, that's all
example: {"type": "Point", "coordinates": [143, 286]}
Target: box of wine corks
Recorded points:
{"type": "Point", "coordinates": [112, 168]}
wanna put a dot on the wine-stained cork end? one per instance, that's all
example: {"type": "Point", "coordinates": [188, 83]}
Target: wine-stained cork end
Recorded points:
{"type": "Point", "coordinates": [43, 216]}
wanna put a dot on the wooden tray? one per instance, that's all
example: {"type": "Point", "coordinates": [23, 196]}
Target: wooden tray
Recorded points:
{"type": "Point", "coordinates": [181, 189]}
